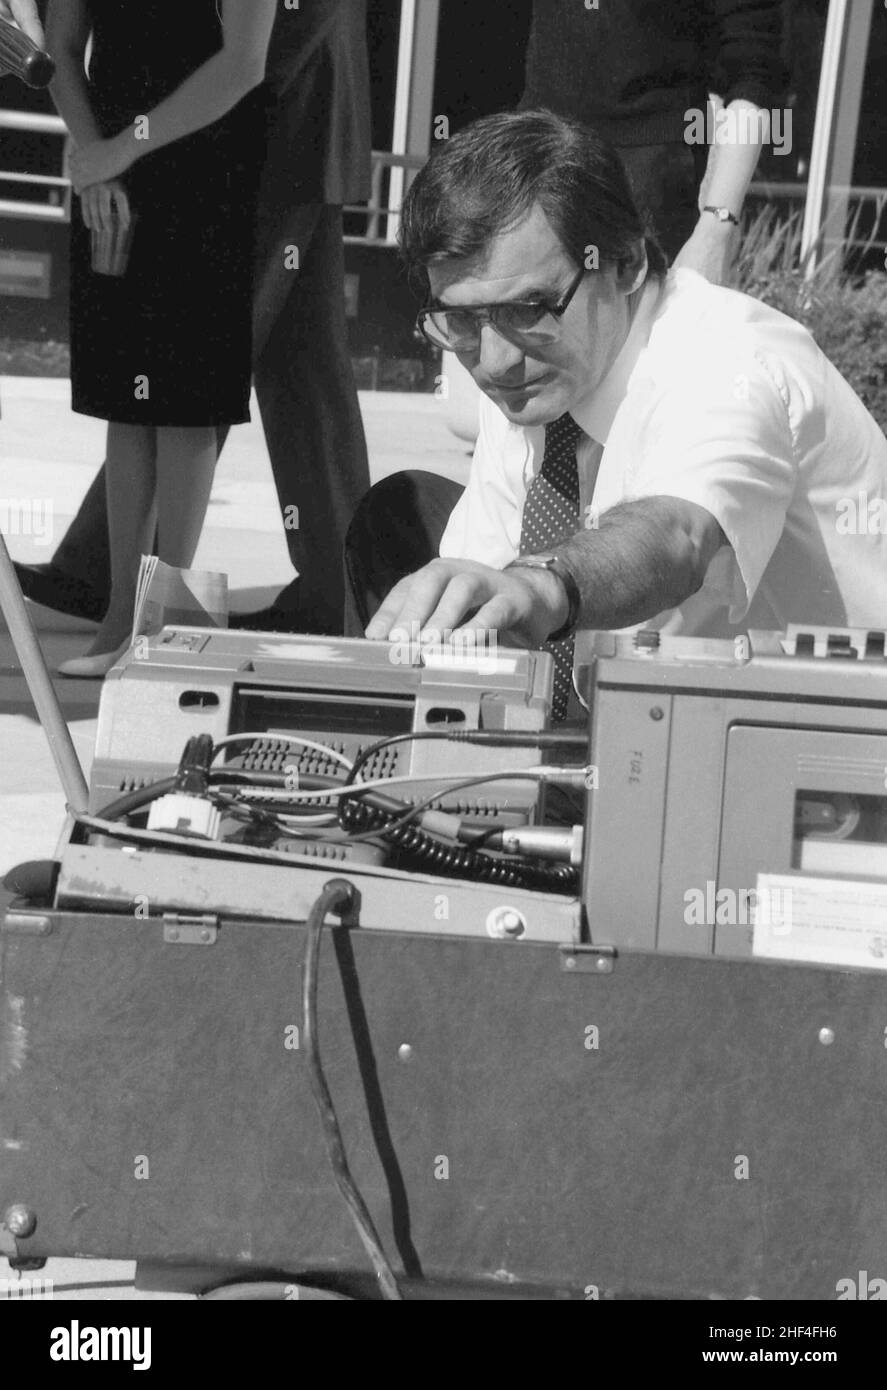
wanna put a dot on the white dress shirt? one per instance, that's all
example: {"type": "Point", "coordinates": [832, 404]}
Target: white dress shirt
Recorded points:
{"type": "Point", "coordinates": [718, 399]}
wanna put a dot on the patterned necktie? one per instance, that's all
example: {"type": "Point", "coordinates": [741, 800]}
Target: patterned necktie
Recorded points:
{"type": "Point", "coordinates": [551, 514]}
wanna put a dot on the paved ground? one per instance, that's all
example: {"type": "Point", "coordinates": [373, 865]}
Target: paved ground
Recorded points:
{"type": "Point", "coordinates": [48, 457]}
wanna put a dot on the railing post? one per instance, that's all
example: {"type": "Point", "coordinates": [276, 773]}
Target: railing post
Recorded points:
{"type": "Point", "coordinates": [837, 118]}
{"type": "Point", "coordinates": [414, 94]}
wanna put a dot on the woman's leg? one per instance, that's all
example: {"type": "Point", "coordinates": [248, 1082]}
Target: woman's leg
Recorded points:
{"type": "Point", "coordinates": [130, 484]}
{"type": "Point", "coordinates": [186, 462]}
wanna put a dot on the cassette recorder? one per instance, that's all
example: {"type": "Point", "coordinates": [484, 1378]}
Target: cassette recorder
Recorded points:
{"type": "Point", "coordinates": [342, 694]}
{"type": "Point", "coordinates": [733, 777]}
{"type": "Point", "coordinates": [232, 772]}
{"type": "Point", "coordinates": [727, 779]}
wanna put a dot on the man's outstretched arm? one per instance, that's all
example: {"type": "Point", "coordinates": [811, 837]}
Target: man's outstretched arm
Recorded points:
{"type": "Point", "coordinates": [643, 557]}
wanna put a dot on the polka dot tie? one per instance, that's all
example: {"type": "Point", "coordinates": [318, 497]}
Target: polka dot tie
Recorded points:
{"type": "Point", "coordinates": [551, 514]}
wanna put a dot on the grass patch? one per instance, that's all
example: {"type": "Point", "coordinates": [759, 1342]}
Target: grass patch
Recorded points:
{"type": "Point", "coordinates": [34, 358]}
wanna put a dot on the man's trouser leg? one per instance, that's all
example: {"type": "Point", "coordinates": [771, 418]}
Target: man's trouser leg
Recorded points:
{"type": "Point", "coordinates": [83, 551]}
{"type": "Point", "coordinates": [396, 530]}
{"type": "Point", "coordinates": [310, 412]}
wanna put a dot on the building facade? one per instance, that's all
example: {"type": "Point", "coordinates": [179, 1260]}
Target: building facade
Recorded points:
{"type": "Point", "coordinates": [438, 64]}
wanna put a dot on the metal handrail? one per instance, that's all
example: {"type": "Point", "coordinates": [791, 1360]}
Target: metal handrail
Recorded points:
{"type": "Point", "coordinates": [51, 179]}
{"type": "Point", "coordinates": [769, 189]}
{"type": "Point", "coordinates": [376, 211]}
{"type": "Point", "coordinates": [35, 123]}
{"type": "Point", "coordinates": [832, 236]}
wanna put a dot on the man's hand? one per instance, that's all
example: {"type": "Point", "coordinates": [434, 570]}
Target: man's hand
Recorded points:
{"type": "Point", "coordinates": [101, 161]}
{"type": "Point", "coordinates": [709, 249]}
{"type": "Point", "coordinates": [450, 596]}
{"type": "Point", "coordinates": [24, 13]}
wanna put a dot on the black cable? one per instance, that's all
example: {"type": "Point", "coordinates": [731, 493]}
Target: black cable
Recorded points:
{"type": "Point", "coordinates": [488, 738]}
{"type": "Point", "coordinates": [367, 753]}
{"type": "Point", "coordinates": [141, 797]}
{"type": "Point", "coordinates": [541, 738]}
{"type": "Point", "coordinates": [460, 861]}
{"type": "Point", "coordinates": [337, 896]}
{"type": "Point", "coordinates": [413, 809]}
{"type": "Point", "coordinates": [378, 819]}
{"type": "Point", "coordinates": [136, 800]}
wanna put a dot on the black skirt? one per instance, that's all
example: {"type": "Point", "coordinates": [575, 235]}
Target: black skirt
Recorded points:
{"type": "Point", "coordinates": [170, 342]}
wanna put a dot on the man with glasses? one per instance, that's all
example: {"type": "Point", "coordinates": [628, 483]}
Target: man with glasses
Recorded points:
{"type": "Point", "coordinates": [653, 449]}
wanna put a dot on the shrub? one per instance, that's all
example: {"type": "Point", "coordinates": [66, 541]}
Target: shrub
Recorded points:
{"type": "Point", "coordinates": [847, 316]}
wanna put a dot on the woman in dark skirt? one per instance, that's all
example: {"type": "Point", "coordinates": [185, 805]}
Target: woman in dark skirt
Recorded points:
{"type": "Point", "coordinates": [168, 126]}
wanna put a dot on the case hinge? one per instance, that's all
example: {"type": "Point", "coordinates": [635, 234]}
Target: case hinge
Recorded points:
{"type": "Point", "coordinates": [184, 929]}
{"type": "Point", "coordinates": [588, 960]}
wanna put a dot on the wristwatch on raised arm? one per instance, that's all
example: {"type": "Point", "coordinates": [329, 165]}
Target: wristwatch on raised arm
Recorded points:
{"type": "Point", "coordinates": [722, 214]}
{"type": "Point", "coordinates": [555, 565]}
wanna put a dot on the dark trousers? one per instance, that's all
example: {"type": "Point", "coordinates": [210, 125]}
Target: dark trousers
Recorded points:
{"type": "Point", "coordinates": [310, 413]}
{"type": "Point", "coordinates": [665, 181]}
{"type": "Point", "coordinates": [396, 530]}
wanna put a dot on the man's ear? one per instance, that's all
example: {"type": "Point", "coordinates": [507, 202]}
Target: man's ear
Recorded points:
{"type": "Point", "coordinates": [631, 270]}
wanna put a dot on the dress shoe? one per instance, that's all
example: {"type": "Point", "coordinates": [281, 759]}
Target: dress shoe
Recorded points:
{"type": "Point", "coordinates": [64, 593]}
{"type": "Point", "coordinates": [93, 667]}
{"type": "Point", "coordinates": [274, 619]}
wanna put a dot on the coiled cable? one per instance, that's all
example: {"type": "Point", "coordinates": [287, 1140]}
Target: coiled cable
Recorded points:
{"type": "Point", "coordinates": [460, 861]}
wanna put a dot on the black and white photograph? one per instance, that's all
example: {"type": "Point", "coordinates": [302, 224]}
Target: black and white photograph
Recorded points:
{"type": "Point", "coordinates": [443, 667]}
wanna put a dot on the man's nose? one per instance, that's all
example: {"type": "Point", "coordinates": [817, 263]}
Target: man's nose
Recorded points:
{"type": "Point", "coordinates": [496, 356]}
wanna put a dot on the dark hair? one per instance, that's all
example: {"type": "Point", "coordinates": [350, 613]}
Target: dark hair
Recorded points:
{"type": "Point", "coordinates": [489, 176]}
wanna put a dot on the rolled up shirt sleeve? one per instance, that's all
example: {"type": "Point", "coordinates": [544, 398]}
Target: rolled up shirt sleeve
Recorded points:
{"type": "Point", "coordinates": [485, 523]}
{"type": "Point", "coordinates": [721, 437]}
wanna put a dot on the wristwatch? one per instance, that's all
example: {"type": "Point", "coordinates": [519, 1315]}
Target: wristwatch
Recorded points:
{"type": "Point", "coordinates": [555, 565]}
{"type": "Point", "coordinates": [722, 214]}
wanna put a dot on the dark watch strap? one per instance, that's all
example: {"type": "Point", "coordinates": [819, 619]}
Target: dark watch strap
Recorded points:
{"type": "Point", "coordinates": [555, 565]}
{"type": "Point", "coordinates": [722, 214]}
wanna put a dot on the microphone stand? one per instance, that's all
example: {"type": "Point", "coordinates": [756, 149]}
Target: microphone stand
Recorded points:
{"type": "Point", "coordinates": [36, 673]}
{"type": "Point", "coordinates": [22, 58]}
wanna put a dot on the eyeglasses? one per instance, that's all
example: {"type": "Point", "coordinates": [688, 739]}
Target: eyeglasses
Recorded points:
{"type": "Point", "coordinates": [524, 322]}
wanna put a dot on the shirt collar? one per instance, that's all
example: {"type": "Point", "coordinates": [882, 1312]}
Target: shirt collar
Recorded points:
{"type": "Point", "coordinates": [596, 412]}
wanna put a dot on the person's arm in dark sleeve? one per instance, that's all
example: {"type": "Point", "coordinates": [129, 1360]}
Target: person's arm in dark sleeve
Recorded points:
{"type": "Point", "coordinates": [749, 51]}
{"type": "Point", "coordinates": [749, 68]}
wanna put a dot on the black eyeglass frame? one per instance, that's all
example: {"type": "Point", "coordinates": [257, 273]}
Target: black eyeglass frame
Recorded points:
{"type": "Point", "coordinates": [486, 313]}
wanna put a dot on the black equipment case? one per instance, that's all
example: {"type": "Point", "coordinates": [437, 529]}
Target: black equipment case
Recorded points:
{"type": "Point", "coordinates": [522, 1119]}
